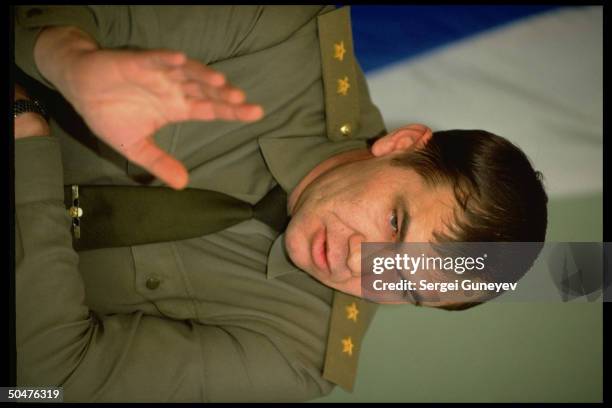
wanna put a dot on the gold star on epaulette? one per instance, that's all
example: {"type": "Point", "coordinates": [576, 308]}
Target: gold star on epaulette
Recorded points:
{"type": "Point", "coordinates": [343, 86]}
{"type": "Point", "coordinates": [352, 312]}
{"type": "Point", "coordinates": [347, 346]}
{"type": "Point", "coordinates": [339, 51]}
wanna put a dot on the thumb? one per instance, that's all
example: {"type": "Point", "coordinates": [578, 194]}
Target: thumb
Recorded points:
{"type": "Point", "coordinates": [148, 155]}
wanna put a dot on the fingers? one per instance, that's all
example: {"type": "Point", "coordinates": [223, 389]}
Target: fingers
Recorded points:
{"type": "Point", "coordinates": [199, 72]}
{"type": "Point", "coordinates": [224, 102]}
{"type": "Point", "coordinates": [201, 110]}
{"type": "Point", "coordinates": [226, 93]}
{"type": "Point", "coordinates": [162, 58]}
{"type": "Point", "coordinates": [159, 163]}
{"type": "Point", "coordinates": [180, 68]}
{"type": "Point", "coordinates": [171, 60]}
{"type": "Point", "coordinates": [249, 113]}
{"type": "Point", "coordinates": [214, 87]}
{"type": "Point", "coordinates": [192, 89]}
{"type": "Point", "coordinates": [208, 93]}
{"type": "Point", "coordinates": [208, 110]}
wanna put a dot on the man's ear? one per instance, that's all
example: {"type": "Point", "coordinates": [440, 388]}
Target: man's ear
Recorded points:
{"type": "Point", "coordinates": [413, 136]}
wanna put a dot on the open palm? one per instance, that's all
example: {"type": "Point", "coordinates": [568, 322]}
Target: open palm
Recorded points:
{"type": "Point", "coordinates": [126, 96]}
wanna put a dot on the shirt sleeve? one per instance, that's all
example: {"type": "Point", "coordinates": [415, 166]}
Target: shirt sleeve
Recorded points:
{"type": "Point", "coordinates": [124, 357]}
{"type": "Point", "coordinates": [205, 33]}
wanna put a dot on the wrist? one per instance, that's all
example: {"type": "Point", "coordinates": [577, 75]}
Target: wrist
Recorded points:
{"type": "Point", "coordinates": [30, 116]}
{"type": "Point", "coordinates": [30, 124]}
{"type": "Point", "coordinates": [57, 51]}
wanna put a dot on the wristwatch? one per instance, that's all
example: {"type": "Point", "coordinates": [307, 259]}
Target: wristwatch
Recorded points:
{"type": "Point", "coordinates": [24, 105]}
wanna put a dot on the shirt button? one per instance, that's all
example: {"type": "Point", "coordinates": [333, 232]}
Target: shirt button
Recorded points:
{"type": "Point", "coordinates": [76, 212]}
{"type": "Point", "coordinates": [345, 129]}
{"type": "Point", "coordinates": [153, 283]}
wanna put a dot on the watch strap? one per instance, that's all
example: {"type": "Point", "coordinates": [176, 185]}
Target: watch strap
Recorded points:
{"type": "Point", "coordinates": [24, 105]}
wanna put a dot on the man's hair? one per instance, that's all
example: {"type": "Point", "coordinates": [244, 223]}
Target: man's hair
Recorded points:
{"type": "Point", "coordinates": [499, 194]}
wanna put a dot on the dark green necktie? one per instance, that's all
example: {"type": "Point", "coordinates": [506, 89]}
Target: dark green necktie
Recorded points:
{"type": "Point", "coordinates": [115, 216]}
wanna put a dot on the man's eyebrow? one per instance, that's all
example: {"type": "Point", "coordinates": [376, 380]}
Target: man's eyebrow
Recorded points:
{"type": "Point", "coordinates": [404, 208]}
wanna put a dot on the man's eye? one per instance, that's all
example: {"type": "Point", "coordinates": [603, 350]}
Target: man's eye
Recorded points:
{"type": "Point", "coordinates": [393, 221]}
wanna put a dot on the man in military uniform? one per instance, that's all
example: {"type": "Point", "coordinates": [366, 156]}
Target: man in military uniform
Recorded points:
{"type": "Point", "coordinates": [231, 315]}
{"type": "Point", "coordinates": [222, 317]}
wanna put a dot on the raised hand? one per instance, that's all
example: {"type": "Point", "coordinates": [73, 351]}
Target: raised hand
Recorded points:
{"type": "Point", "coordinates": [125, 96]}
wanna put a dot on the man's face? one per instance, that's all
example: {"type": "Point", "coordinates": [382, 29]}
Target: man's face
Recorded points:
{"type": "Point", "coordinates": [361, 201]}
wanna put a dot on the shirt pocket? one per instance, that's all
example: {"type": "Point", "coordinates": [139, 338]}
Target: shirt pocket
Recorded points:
{"type": "Point", "coordinates": [160, 278]}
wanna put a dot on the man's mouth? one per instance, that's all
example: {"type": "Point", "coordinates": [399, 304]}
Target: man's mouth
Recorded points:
{"type": "Point", "coordinates": [319, 250]}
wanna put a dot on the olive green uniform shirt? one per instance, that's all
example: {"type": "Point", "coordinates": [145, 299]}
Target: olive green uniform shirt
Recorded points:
{"type": "Point", "coordinates": [223, 317]}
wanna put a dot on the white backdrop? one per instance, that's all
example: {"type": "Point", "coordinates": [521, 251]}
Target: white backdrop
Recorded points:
{"type": "Point", "coordinates": [538, 82]}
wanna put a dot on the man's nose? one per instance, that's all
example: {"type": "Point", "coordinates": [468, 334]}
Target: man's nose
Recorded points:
{"type": "Point", "coordinates": [354, 255]}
